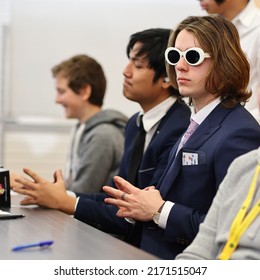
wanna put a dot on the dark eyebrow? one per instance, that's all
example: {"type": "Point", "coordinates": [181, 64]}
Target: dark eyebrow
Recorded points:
{"type": "Point", "coordinates": [141, 59]}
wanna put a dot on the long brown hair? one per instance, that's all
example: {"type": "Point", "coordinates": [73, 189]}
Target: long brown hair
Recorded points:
{"type": "Point", "coordinates": [229, 75]}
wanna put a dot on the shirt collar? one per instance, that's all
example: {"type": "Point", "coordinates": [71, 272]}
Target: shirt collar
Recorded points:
{"type": "Point", "coordinates": [153, 116]}
{"type": "Point", "coordinates": [204, 112]}
{"type": "Point", "coordinates": [245, 17]}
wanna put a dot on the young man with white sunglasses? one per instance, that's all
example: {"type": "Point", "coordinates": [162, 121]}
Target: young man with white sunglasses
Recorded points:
{"type": "Point", "coordinates": [213, 74]}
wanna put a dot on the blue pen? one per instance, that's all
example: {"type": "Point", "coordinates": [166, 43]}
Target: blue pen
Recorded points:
{"type": "Point", "coordinates": [39, 244]}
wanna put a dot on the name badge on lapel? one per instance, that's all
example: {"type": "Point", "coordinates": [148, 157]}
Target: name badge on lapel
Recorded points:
{"type": "Point", "coordinates": [190, 158]}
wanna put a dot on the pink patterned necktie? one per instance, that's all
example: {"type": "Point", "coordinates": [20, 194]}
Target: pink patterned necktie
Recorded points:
{"type": "Point", "coordinates": [167, 180]}
{"type": "Point", "coordinates": [191, 128]}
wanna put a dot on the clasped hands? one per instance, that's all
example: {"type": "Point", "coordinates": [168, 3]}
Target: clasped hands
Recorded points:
{"type": "Point", "coordinates": [133, 202]}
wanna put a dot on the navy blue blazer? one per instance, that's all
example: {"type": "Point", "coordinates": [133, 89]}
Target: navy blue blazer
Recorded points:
{"type": "Point", "coordinates": [224, 135]}
{"type": "Point", "coordinates": [91, 208]}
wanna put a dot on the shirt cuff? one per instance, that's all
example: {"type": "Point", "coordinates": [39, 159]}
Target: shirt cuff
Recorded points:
{"type": "Point", "coordinates": [76, 204]}
{"type": "Point", "coordinates": [130, 220]}
{"type": "Point", "coordinates": [165, 214]}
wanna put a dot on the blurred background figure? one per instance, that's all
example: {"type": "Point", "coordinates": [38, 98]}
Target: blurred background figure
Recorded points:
{"type": "Point", "coordinates": [98, 137]}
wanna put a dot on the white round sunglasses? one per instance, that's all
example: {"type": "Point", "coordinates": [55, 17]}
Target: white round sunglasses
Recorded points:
{"type": "Point", "coordinates": [193, 56]}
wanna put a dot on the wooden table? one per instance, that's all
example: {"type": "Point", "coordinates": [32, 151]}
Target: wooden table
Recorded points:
{"type": "Point", "coordinates": [73, 240]}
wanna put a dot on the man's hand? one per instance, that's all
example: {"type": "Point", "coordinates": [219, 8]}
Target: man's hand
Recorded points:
{"type": "Point", "coordinates": [45, 193]}
{"type": "Point", "coordinates": [133, 202]}
{"type": "Point", "coordinates": [13, 183]}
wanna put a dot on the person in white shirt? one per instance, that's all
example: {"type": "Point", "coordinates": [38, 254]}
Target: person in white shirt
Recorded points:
{"type": "Point", "coordinates": [245, 16]}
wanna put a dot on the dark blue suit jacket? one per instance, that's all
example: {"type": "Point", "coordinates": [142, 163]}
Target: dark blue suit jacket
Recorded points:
{"type": "Point", "coordinates": [224, 135]}
{"type": "Point", "coordinates": [91, 208]}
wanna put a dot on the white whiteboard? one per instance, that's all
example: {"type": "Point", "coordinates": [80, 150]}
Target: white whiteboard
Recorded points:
{"type": "Point", "coordinates": [44, 32]}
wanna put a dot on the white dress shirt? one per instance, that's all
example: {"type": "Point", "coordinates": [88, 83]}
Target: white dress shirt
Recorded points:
{"type": "Point", "coordinates": [248, 25]}
{"type": "Point", "coordinates": [151, 118]}
{"type": "Point", "coordinates": [76, 133]}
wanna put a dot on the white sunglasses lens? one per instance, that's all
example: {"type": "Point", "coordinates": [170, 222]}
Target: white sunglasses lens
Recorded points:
{"type": "Point", "coordinates": [173, 57]}
{"type": "Point", "coordinates": [193, 57]}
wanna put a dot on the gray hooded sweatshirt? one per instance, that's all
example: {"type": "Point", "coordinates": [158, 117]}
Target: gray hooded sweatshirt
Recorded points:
{"type": "Point", "coordinates": [95, 152]}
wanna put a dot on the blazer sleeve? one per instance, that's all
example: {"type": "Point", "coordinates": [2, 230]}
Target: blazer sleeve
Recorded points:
{"type": "Point", "coordinates": [100, 215]}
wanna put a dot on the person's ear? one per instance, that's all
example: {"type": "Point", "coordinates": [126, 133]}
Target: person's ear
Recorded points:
{"type": "Point", "coordinates": [166, 83]}
{"type": "Point", "coordinates": [85, 92]}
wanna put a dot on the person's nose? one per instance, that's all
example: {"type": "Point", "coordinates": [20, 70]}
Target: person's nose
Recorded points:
{"type": "Point", "coordinates": [58, 98]}
{"type": "Point", "coordinates": [127, 72]}
{"type": "Point", "coordinates": [182, 64]}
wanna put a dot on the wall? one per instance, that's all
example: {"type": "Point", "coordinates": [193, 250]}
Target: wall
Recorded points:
{"type": "Point", "coordinates": [44, 32]}
{"type": "Point", "coordinates": [41, 33]}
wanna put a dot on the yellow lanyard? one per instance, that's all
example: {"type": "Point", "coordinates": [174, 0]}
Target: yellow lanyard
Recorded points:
{"type": "Point", "coordinates": [242, 221]}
